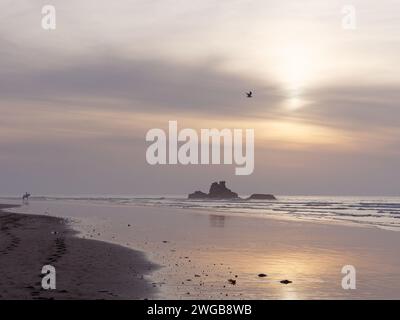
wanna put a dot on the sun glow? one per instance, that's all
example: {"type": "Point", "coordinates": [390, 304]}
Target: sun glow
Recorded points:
{"type": "Point", "coordinates": [295, 69]}
{"type": "Point", "coordinates": [294, 102]}
{"type": "Point", "coordinates": [295, 74]}
{"type": "Point", "coordinates": [299, 134]}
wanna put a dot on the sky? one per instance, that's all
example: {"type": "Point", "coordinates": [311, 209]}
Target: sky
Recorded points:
{"type": "Point", "coordinates": [76, 102]}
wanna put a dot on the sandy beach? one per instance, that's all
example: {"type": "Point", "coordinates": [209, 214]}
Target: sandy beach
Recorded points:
{"type": "Point", "coordinates": [200, 150]}
{"type": "Point", "coordinates": [200, 252]}
{"type": "Point", "coordinates": [86, 269]}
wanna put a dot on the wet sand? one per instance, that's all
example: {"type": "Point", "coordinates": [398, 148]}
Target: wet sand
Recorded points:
{"type": "Point", "coordinates": [201, 250]}
{"type": "Point", "coordinates": [85, 269]}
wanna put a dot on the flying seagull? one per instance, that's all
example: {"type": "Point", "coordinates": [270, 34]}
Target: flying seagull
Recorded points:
{"type": "Point", "coordinates": [249, 94]}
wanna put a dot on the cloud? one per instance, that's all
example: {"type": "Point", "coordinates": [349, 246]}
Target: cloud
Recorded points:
{"type": "Point", "coordinates": [355, 107]}
{"type": "Point", "coordinates": [156, 86]}
{"type": "Point", "coordinates": [76, 103]}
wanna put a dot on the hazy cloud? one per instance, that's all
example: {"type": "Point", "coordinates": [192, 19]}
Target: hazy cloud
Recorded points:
{"type": "Point", "coordinates": [76, 102]}
{"type": "Point", "coordinates": [143, 84]}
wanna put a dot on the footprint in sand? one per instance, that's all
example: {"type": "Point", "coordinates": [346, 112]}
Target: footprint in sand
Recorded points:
{"type": "Point", "coordinates": [12, 241]}
{"type": "Point", "coordinates": [60, 250]}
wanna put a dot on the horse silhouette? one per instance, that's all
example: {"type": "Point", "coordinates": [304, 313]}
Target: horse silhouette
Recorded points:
{"type": "Point", "coordinates": [26, 196]}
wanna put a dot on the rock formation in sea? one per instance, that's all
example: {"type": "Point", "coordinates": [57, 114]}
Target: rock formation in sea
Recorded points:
{"type": "Point", "coordinates": [198, 195]}
{"type": "Point", "coordinates": [261, 196]}
{"type": "Point", "coordinates": [218, 190]}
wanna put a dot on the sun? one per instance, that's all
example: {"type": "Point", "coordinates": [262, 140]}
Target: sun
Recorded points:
{"type": "Point", "coordinates": [295, 67]}
{"type": "Point", "coordinates": [295, 70]}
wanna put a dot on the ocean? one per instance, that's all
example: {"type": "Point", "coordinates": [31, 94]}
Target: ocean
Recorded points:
{"type": "Point", "coordinates": [381, 212]}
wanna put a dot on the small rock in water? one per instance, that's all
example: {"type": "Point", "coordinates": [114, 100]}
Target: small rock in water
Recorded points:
{"type": "Point", "coordinates": [286, 281]}
{"type": "Point", "coordinates": [262, 275]}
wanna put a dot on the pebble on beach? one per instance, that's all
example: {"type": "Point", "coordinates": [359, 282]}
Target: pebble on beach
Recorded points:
{"type": "Point", "coordinates": [286, 281]}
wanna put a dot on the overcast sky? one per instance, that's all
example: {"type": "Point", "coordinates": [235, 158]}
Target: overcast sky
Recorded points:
{"type": "Point", "coordinates": [76, 102]}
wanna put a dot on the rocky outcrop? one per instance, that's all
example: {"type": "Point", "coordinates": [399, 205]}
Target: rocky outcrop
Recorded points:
{"type": "Point", "coordinates": [198, 195]}
{"type": "Point", "coordinates": [261, 196]}
{"type": "Point", "coordinates": [218, 190]}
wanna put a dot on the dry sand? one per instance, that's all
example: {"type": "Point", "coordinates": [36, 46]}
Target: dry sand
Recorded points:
{"type": "Point", "coordinates": [85, 269]}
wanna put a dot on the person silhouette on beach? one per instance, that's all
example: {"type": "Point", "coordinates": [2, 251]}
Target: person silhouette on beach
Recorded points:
{"type": "Point", "coordinates": [25, 197]}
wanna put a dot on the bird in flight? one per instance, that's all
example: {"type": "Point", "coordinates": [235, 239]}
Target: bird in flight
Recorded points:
{"type": "Point", "coordinates": [249, 94]}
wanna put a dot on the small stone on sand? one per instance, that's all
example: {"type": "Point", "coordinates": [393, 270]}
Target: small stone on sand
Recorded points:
{"type": "Point", "coordinates": [286, 281]}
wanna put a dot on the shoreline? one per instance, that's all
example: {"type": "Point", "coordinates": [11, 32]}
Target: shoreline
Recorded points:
{"type": "Point", "coordinates": [85, 268]}
{"type": "Point", "coordinates": [199, 252]}
{"type": "Point", "coordinates": [379, 212]}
